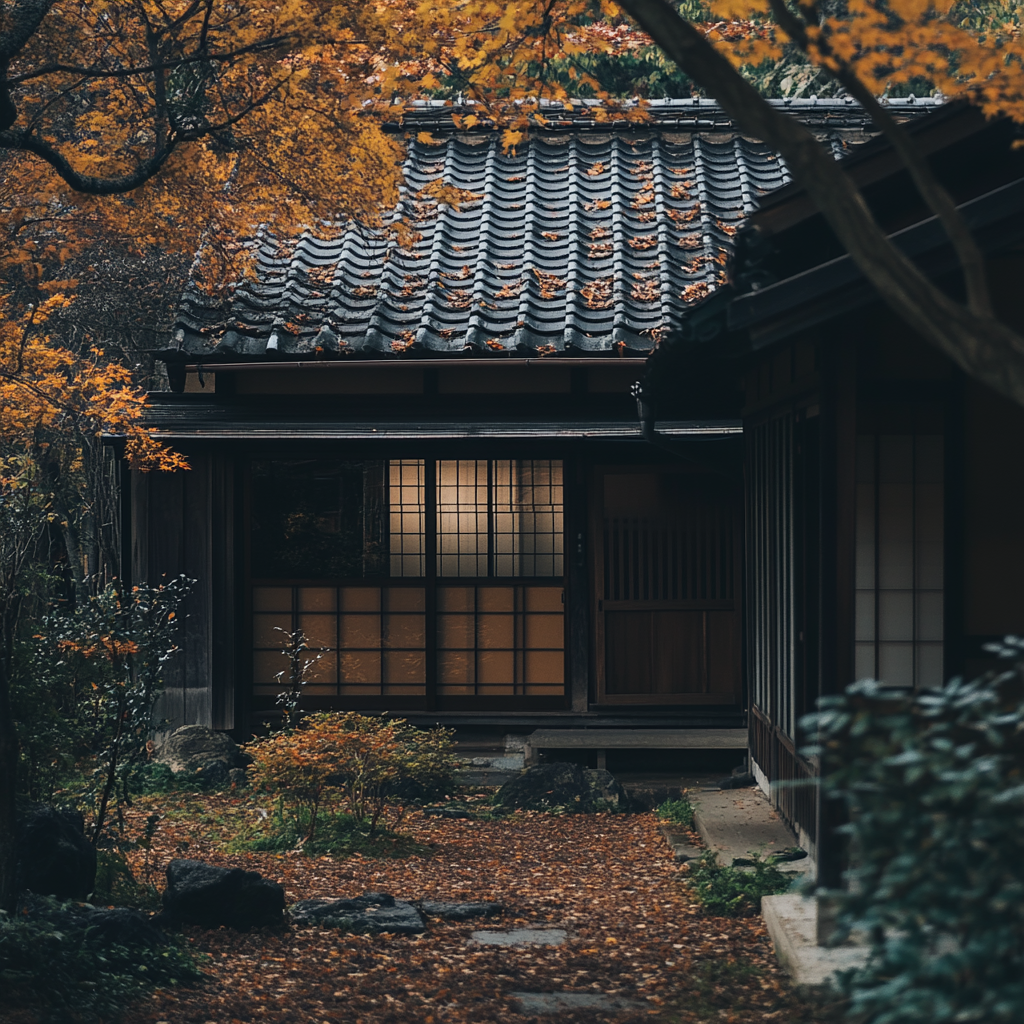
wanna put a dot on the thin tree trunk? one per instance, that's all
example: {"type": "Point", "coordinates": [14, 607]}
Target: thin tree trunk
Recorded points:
{"type": "Point", "coordinates": [8, 773]}
{"type": "Point", "coordinates": [982, 346]}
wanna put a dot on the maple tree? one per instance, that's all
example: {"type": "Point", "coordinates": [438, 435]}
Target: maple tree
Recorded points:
{"type": "Point", "coordinates": [163, 123]}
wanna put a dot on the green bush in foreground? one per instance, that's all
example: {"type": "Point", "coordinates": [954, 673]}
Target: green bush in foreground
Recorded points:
{"type": "Point", "coordinates": [679, 812]}
{"type": "Point", "coordinates": [934, 783]}
{"type": "Point", "coordinates": [732, 892]}
{"type": "Point", "coordinates": [72, 976]}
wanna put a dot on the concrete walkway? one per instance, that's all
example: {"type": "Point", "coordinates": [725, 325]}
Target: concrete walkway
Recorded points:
{"type": "Point", "coordinates": [738, 822]}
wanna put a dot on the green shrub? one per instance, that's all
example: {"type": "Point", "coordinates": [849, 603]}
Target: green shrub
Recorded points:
{"type": "Point", "coordinates": [116, 884]}
{"type": "Point", "coordinates": [72, 976]}
{"type": "Point", "coordinates": [337, 835]}
{"type": "Point", "coordinates": [679, 812]}
{"type": "Point", "coordinates": [934, 783]}
{"type": "Point", "coordinates": [154, 777]}
{"type": "Point", "coordinates": [733, 892]}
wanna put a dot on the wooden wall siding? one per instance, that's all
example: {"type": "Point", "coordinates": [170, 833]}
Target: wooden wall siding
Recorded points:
{"type": "Point", "coordinates": [793, 788]}
{"type": "Point", "coordinates": [771, 639]}
{"type": "Point", "coordinates": [171, 515]}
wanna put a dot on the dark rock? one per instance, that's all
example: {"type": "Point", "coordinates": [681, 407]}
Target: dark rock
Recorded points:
{"type": "Point", "coordinates": [54, 857]}
{"type": "Point", "coordinates": [195, 749]}
{"type": "Point", "coordinates": [788, 855]}
{"type": "Point", "coordinates": [236, 776]}
{"type": "Point", "coordinates": [558, 784]}
{"type": "Point", "coordinates": [110, 926]}
{"type": "Point", "coordinates": [446, 812]}
{"type": "Point", "coordinates": [214, 775]}
{"type": "Point", "coordinates": [606, 789]}
{"type": "Point", "coordinates": [369, 914]}
{"type": "Point", "coordinates": [737, 781]}
{"type": "Point", "coordinates": [459, 911]}
{"type": "Point", "coordinates": [682, 852]}
{"type": "Point", "coordinates": [202, 894]}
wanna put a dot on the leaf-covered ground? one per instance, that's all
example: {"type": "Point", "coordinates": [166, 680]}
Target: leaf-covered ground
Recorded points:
{"type": "Point", "coordinates": [634, 929]}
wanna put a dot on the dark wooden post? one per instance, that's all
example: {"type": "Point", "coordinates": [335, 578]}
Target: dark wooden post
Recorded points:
{"type": "Point", "coordinates": [838, 361]}
{"type": "Point", "coordinates": [577, 590]}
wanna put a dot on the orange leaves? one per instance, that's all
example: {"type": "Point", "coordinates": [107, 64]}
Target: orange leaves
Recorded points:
{"type": "Point", "coordinates": [597, 204]}
{"type": "Point", "coordinates": [510, 290]}
{"type": "Point", "coordinates": [107, 647]}
{"type": "Point", "coordinates": [598, 293]}
{"type": "Point", "coordinates": [550, 285]}
{"type": "Point", "coordinates": [975, 55]}
{"type": "Point", "coordinates": [695, 292]}
{"type": "Point", "coordinates": [510, 139]}
{"type": "Point", "coordinates": [47, 389]}
{"type": "Point", "coordinates": [646, 289]}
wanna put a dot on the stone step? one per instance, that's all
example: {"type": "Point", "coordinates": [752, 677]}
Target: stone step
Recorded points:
{"type": "Point", "coordinates": [602, 740]}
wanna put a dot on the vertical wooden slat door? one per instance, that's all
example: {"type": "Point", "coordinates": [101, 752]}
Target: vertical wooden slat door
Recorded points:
{"type": "Point", "coordinates": [667, 615]}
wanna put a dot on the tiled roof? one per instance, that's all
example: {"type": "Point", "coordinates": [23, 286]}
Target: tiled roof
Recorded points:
{"type": "Point", "coordinates": [586, 238]}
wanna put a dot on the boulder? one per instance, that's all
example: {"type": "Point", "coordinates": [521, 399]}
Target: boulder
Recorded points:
{"type": "Point", "coordinates": [54, 857]}
{"type": "Point", "coordinates": [109, 926]}
{"type": "Point", "coordinates": [199, 893]}
{"type": "Point", "coordinates": [369, 914]}
{"type": "Point", "coordinates": [459, 911]}
{"type": "Point", "coordinates": [561, 785]}
{"type": "Point", "coordinates": [606, 789]}
{"type": "Point", "coordinates": [740, 781]}
{"type": "Point", "coordinates": [197, 750]}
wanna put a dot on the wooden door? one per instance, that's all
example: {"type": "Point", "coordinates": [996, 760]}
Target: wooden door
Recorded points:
{"type": "Point", "coordinates": [668, 588]}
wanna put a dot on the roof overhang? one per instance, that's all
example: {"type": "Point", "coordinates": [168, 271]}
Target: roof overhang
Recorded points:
{"type": "Point", "coordinates": [832, 289]}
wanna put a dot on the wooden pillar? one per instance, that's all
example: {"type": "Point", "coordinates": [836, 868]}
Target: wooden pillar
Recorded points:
{"type": "Point", "coordinates": [838, 361]}
{"type": "Point", "coordinates": [577, 590]}
{"type": "Point", "coordinates": [223, 593]}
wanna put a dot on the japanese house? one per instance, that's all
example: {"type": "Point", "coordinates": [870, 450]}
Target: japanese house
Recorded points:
{"type": "Point", "coordinates": [430, 460]}
{"type": "Point", "coordinates": [884, 532]}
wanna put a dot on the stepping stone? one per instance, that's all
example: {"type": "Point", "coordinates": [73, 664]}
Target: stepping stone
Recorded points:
{"type": "Point", "coordinates": [459, 911]}
{"type": "Point", "coordinates": [370, 914]}
{"type": "Point", "coordinates": [556, 1002]}
{"type": "Point", "coordinates": [521, 937]}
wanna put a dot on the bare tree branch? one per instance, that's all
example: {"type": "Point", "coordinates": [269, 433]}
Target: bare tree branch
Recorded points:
{"type": "Point", "coordinates": [931, 191]}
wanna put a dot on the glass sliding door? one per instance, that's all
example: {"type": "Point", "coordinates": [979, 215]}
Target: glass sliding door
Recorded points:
{"type": "Point", "coordinates": [900, 542]}
{"type": "Point", "coordinates": [500, 521]}
{"type": "Point", "coordinates": [392, 610]}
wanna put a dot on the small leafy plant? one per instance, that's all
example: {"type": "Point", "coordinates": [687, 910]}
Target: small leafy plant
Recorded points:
{"type": "Point", "coordinates": [74, 975]}
{"type": "Point", "coordinates": [731, 892]}
{"type": "Point", "coordinates": [678, 812]}
{"type": "Point", "coordinates": [301, 660]}
{"type": "Point", "coordinates": [368, 765]}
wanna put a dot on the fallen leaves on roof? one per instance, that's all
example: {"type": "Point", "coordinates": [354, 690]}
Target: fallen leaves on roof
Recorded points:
{"type": "Point", "coordinates": [550, 284]}
{"type": "Point", "coordinates": [598, 293]}
{"type": "Point", "coordinates": [642, 242]}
